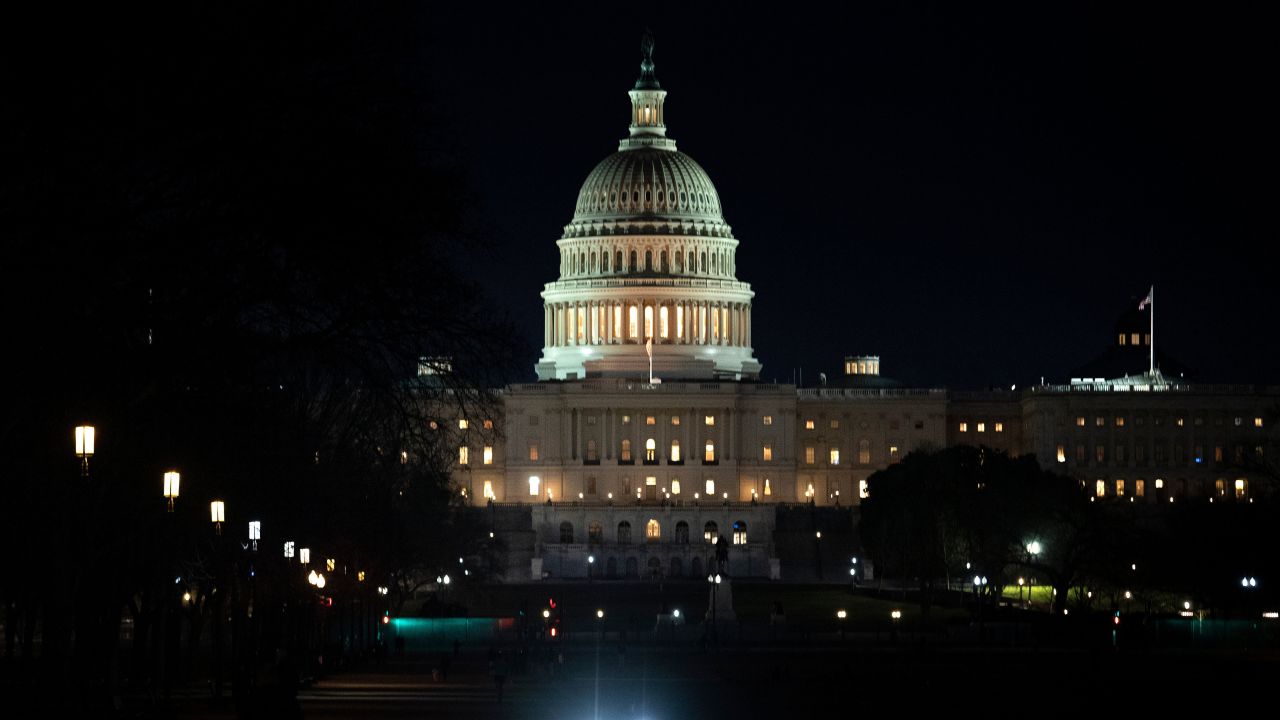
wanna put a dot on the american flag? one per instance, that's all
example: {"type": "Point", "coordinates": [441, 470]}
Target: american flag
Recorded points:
{"type": "Point", "coordinates": [1147, 301]}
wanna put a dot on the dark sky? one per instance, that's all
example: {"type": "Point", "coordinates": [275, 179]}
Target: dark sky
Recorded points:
{"type": "Point", "coordinates": [974, 197]}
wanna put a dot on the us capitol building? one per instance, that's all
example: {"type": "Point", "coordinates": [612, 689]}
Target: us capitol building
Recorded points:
{"type": "Point", "coordinates": [649, 434]}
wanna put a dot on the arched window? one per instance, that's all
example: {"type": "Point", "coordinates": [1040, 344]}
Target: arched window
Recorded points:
{"type": "Point", "coordinates": [662, 322]}
{"type": "Point", "coordinates": [624, 532]}
{"type": "Point", "coordinates": [604, 261]}
{"type": "Point", "coordinates": [693, 262]}
{"type": "Point", "coordinates": [617, 261]}
{"type": "Point", "coordinates": [633, 567]}
{"type": "Point", "coordinates": [648, 260]}
{"type": "Point", "coordinates": [595, 533]}
{"type": "Point", "coordinates": [566, 532]}
{"type": "Point", "coordinates": [650, 450]}
{"type": "Point", "coordinates": [739, 532]}
{"type": "Point", "coordinates": [677, 567]}
{"type": "Point", "coordinates": [655, 567]}
{"type": "Point", "coordinates": [704, 261]}
{"type": "Point", "coordinates": [632, 267]}
{"type": "Point", "coordinates": [710, 533]}
{"type": "Point", "coordinates": [534, 483]}
{"type": "Point", "coordinates": [591, 485]}
{"type": "Point", "coordinates": [682, 533]}
{"type": "Point", "coordinates": [652, 531]}
{"type": "Point", "coordinates": [633, 325]}
{"type": "Point", "coordinates": [648, 322]}
{"type": "Point", "coordinates": [662, 262]}
{"type": "Point", "coordinates": [592, 266]}
{"type": "Point", "coordinates": [675, 458]}
{"type": "Point", "coordinates": [864, 452]}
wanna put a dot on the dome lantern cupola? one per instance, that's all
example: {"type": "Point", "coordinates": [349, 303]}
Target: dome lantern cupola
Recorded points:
{"type": "Point", "coordinates": [648, 118]}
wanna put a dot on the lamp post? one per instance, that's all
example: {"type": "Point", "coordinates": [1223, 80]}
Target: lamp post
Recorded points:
{"type": "Point", "coordinates": [84, 446]}
{"type": "Point", "coordinates": [1034, 548]}
{"type": "Point", "coordinates": [217, 515]}
{"type": "Point", "coordinates": [172, 482]}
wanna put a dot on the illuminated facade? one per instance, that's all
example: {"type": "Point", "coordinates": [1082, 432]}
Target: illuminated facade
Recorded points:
{"type": "Point", "coordinates": [597, 469]}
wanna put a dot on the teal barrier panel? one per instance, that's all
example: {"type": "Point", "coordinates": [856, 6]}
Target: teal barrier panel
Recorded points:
{"type": "Point", "coordinates": [434, 634]}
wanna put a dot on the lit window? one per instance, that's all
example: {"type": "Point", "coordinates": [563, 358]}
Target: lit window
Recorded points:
{"type": "Point", "coordinates": [768, 420]}
{"type": "Point", "coordinates": [1062, 453]}
{"type": "Point", "coordinates": [1122, 338]}
{"type": "Point", "coordinates": [464, 455]}
{"type": "Point", "coordinates": [463, 424]}
{"type": "Point", "coordinates": [488, 424]}
{"type": "Point", "coordinates": [488, 454]}
{"type": "Point", "coordinates": [625, 454]}
{"type": "Point", "coordinates": [1257, 422]}
{"type": "Point", "coordinates": [709, 452]}
{"type": "Point", "coordinates": [633, 322]}
{"type": "Point", "coordinates": [1217, 453]}
{"type": "Point", "coordinates": [652, 530]}
{"type": "Point", "coordinates": [533, 452]}
{"type": "Point", "coordinates": [1239, 421]}
{"type": "Point", "coordinates": [1180, 422]}
{"type": "Point", "coordinates": [982, 427]}
{"type": "Point", "coordinates": [488, 490]}
{"type": "Point", "coordinates": [808, 424]}
{"type": "Point", "coordinates": [651, 481]}
{"type": "Point", "coordinates": [739, 533]}
{"type": "Point", "coordinates": [999, 427]}
{"type": "Point", "coordinates": [1101, 490]}
{"type": "Point", "coordinates": [650, 450]}
{"type": "Point", "coordinates": [835, 424]}
{"type": "Point", "coordinates": [1134, 339]}
{"type": "Point", "coordinates": [710, 533]}
{"type": "Point", "coordinates": [1220, 485]}
{"type": "Point", "coordinates": [675, 487]}
{"type": "Point", "coordinates": [1140, 487]}
{"type": "Point", "coordinates": [835, 456]}
{"type": "Point", "coordinates": [626, 419]}
{"type": "Point", "coordinates": [894, 455]}
{"type": "Point", "coordinates": [768, 487]}
{"type": "Point", "coordinates": [1119, 488]}
{"type": "Point", "coordinates": [534, 483]}
{"type": "Point", "coordinates": [1079, 421]}
{"type": "Point", "coordinates": [862, 489]}
{"type": "Point", "coordinates": [864, 452]}
{"type": "Point", "coordinates": [766, 453]}
{"type": "Point", "coordinates": [709, 420]}
{"type": "Point", "coordinates": [1119, 421]}
{"type": "Point", "coordinates": [809, 455]}
{"type": "Point", "coordinates": [650, 420]}
{"type": "Point", "coordinates": [1242, 488]}
{"type": "Point", "coordinates": [675, 451]}
{"type": "Point", "coordinates": [964, 427]}
{"type": "Point", "coordinates": [1100, 421]}
{"type": "Point", "coordinates": [710, 487]}
{"type": "Point", "coordinates": [593, 454]}
{"type": "Point", "coordinates": [675, 419]}
{"type": "Point", "coordinates": [1159, 483]}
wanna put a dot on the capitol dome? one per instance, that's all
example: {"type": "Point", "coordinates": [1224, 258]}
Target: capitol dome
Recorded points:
{"type": "Point", "coordinates": [658, 184]}
{"type": "Point", "coordinates": [647, 284]}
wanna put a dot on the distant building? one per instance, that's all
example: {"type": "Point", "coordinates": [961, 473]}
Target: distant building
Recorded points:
{"type": "Point", "coordinates": [649, 434]}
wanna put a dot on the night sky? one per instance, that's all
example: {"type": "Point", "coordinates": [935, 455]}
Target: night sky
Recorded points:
{"type": "Point", "coordinates": [975, 197]}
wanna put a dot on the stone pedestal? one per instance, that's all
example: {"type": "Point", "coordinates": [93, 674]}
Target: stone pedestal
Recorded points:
{"type": "Point", "coordinates": [720, 598]}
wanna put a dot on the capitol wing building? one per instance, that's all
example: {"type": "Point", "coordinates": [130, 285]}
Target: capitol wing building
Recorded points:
{"type": "Point", "coordinates": [649, 435]}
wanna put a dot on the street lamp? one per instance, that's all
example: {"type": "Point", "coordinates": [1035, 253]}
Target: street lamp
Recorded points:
{"type": "Point", "coordinates": [172, 480]}
{"type": "Point", "coordinates": [217, 515]}
{"type": "Point", "coordinates": [84, 446]}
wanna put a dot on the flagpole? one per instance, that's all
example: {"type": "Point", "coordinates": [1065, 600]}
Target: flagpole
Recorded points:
{"type": "Point", "coordinates": [1152, 295]}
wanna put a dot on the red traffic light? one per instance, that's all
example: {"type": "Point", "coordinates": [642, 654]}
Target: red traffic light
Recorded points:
{"type": "Point", "coordinates": [551, 602]}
